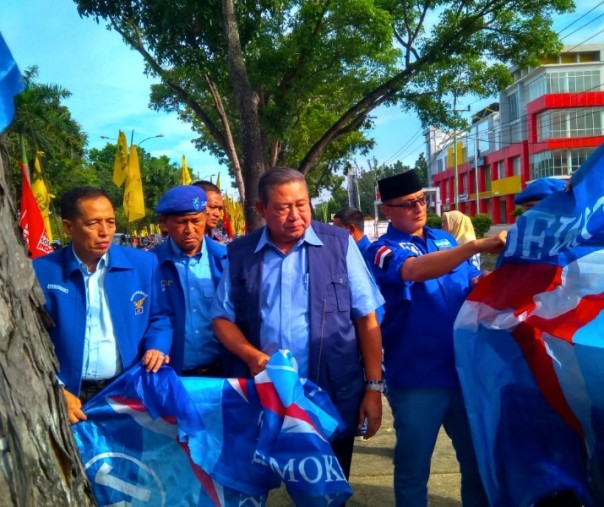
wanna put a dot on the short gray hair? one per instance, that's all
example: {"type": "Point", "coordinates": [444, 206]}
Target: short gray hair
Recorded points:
{"type": "Point", "coordinates": [277, 176]}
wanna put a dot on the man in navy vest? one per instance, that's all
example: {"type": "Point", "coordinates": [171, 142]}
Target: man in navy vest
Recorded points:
{"type": "Point", "coordinates": [302, 285]}
{"type": "Point", "coordinates": [191, 265]}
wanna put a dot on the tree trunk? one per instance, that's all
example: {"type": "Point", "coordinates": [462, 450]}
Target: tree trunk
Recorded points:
{"type": "Point", "coordinates": [253, 153]}
{"type": "Point", "coordinates": [39, 461]}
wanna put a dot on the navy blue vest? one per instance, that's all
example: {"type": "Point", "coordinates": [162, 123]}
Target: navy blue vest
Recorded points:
{"type": "Point", "coordinates": [334, 358]}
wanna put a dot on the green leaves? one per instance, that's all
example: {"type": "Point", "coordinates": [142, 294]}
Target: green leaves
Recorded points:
{"type": "Point", "coordinates": [318, 68]}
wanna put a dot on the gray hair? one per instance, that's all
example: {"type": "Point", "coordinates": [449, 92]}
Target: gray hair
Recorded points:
{"type": "Point", "coordinates": [275, 177]}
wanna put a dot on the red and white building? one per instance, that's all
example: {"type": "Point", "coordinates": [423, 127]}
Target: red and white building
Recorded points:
{"type": "Point", "coordinates": [546, 123]}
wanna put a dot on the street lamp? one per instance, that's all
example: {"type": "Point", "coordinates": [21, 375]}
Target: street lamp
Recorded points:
{"type": "Point", "coordinates": [132, 138]}
{"type": "Point", "coordinates": [147, 138]}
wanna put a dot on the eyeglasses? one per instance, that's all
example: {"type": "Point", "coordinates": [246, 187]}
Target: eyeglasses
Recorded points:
{"type": "Point", "coordinates": [410, 205]}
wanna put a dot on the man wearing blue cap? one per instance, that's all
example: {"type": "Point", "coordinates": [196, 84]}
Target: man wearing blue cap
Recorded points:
{"type": "Point", "coordinates": [191, 265]}
{"type": "Point", "coordinates": [538, 190]}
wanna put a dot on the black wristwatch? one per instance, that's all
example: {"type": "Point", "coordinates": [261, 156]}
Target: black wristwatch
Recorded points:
{"type": "Point", "coordinates": [375, 385]}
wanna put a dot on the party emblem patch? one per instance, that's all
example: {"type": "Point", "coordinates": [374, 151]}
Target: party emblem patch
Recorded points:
{"type": "Point", "coordinates": [138, 300]}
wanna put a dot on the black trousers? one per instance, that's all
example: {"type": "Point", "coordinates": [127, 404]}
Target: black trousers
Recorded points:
{"type": "Point", "coordinates": [342, 448]}
{"type": "Point", "coordinates": [91, 388]}
{"type": "Point", "coordinates": [209, 370]}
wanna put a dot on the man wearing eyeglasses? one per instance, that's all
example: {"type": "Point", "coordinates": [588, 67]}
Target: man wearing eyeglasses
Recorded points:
{"type": "Point", "coordinates": [424, 277]}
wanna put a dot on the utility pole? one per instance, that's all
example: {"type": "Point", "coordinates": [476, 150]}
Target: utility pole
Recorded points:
{"type": "Point", "coordinates": [476, 172]}
{"type": "Point", "coordinates": [455, 164]}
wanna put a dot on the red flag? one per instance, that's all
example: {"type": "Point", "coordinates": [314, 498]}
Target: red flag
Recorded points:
{"type": "Point", "coordinates": [31, 221]}
{"type": "Point", "coordinates": [227, 227]}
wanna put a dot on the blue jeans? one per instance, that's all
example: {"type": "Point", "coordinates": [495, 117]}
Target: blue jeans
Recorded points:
{"type": "Point", "coordinates": [418, 415]}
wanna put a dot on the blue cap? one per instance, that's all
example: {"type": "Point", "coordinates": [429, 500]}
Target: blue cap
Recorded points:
{"type": "Point", "coordinates": [182, 200]}
{"type": "Point", "coordinates": [540, 189]}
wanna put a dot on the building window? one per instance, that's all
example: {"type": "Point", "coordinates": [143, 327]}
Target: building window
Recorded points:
{"type": "Point", "coordinates": [500, 170]}
{"type": "Point", "coordinates": [514, 106]}
{"type": "Point", "coordinates": [576, 81]}
{"type": "Point", "coordinates": [579, 122]}
{"type": "Point", "coordinates": [564, 82]}
{"type": "Point", "coordinates": [537, 88]}
{"type": "Point", "coordinates": [517, 166]}
{"type": "Point", "coordinates": [558, 162]}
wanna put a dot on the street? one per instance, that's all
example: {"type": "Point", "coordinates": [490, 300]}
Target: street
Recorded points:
{"type": "Point", "coordinates": [371, 474]}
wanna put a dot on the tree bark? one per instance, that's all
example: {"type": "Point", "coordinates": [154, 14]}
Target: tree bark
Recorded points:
{"type": "Point", "coordinates": [253, 153]}
{"type": "Point", "coordinates": [39, 461]}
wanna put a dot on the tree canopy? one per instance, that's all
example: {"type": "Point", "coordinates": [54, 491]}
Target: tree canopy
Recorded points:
{"type": "Point", "coordinates": [43, 125]}
{"type": "Point", "coordinates": [293, 82]}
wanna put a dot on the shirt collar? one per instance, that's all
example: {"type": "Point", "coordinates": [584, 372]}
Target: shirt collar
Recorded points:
{"type": "Point", "coordinates": [101, 265]}
{"type": "Point", "coordinates": [397, 235]}
{"type": "Point", "coordinates": [176, 253]}
{"type": "Point", "coordinates": [310, 237]}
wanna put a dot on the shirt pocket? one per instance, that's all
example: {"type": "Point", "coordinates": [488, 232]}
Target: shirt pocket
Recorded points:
{"type": "Point", "coordinates": [208, 290]}
{"type": "Point", "coordinates": [338, 293]}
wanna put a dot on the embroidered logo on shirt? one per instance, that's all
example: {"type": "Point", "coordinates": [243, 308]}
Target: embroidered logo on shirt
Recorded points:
{"type": "Point", "coordinates": [138, 300]}
{"type": "Point", "coordinates": [443, 244]}
{"type": "Point", "coordinates": [57, 287]}
{"type": "Point", "coordinates": [412, 247]}
{"type": "Point", "coordinates": [383, 257]}
{"type": "Point", "coordinates": [165, 284]}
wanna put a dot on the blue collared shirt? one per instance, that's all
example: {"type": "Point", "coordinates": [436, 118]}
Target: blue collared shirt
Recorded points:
{"type": "Point", "coordinates": [201, 347]}
{"type": "Point", "coordinates": [284, 307]}
{"type": "Point", "coordinates": [101, 353]}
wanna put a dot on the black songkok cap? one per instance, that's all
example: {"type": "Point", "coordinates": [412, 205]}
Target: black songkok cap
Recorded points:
{"type": "Point", "coordinates": [399, 185]}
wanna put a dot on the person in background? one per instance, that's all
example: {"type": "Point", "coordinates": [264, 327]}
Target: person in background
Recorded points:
{"type": "Point", "coordinates": [302, 285]}
{"type": "Point", "coordinates": [104, 301]}
{"type": "Point", "coordinates": [191, 266]}
{"type": "Point", "coordinates": [538, 190]}
{"type": "Point", "coordinates": [462, 229]}
{"type": "Point", "coordinates": [352, 220]}
{"type": "Point", "coordinates": [214, 207]}
{"type": "Point", "coordinates": [424, 277]}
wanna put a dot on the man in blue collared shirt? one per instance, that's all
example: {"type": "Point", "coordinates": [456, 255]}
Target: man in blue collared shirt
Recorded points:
{"type": "Point", "coordinates": [303, 286]}
{"type": "Point", "coordinates": [191, 265]}
{"type": "Point", "coordinates": [103, 299]}
{"type": "Point", "coordinates": [424, 277]}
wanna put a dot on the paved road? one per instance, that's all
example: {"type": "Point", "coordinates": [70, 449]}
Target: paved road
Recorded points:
{"type": "Point", "coordinates": [371, 474]}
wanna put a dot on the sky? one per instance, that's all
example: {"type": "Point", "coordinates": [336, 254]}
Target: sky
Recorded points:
{"type": "Point", "coordinates": [111, 92]}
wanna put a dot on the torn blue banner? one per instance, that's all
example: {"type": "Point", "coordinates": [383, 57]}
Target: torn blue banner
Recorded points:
{"type": "Point", "coordinates": [157, 439]}
{"type": "Point", "coordinates": [11, 83]}
{"type": "Point", "coordinates": [529, 349]}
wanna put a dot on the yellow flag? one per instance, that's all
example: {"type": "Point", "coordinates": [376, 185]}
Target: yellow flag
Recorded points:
{"type": "Point", "coordinates": [185, 176]}
{"type": "Point", "coordinates": [134, 202]}
{"type": "Point", "coordinates": [120, 164]}
{"type": "Point", "coordinates": [38, 187]}
{"type": "Point", "coordinates": [218, 181]}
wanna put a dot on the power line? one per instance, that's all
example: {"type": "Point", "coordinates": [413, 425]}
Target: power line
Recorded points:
{"type": "Point", "coordinates": [511, 124]}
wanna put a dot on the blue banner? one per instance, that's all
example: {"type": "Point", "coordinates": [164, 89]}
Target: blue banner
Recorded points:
{"type": "Point", "coordinates": [11, 83]}
{"type": "Point", "coordinates": [530, 348]}
{"type": "Point", "coordinates": [157, 439]}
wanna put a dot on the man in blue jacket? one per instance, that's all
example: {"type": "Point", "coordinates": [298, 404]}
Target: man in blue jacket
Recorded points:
{"type": "Point", "coordinates": [191, 266]}
{"type": "Point", "coordinates": [301, 285]}
{"type": "Point", "coordinates": [104, 301]}
{"type": "Point", "coordinates": [424, 277]}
